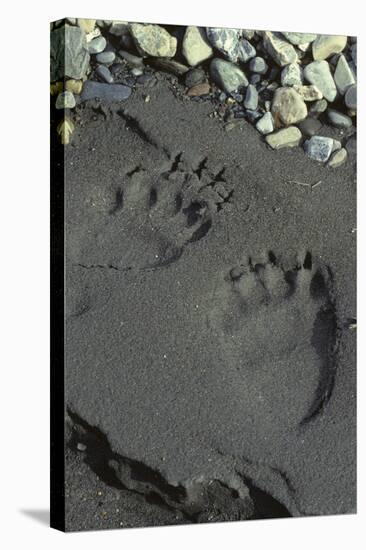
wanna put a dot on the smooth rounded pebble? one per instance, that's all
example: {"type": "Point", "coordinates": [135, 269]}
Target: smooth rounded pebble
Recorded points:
{"type": "Point", "coordinates": [104, 73]}
{"type": "Point", "coordinates": [97, 45]}
{"type": "Point", "coordinates": [105, 57]}
{"type": "Point", "coordinates": [339, 120]}
{"type": "Point", "coordinates": [105, 92]}
{"type": "Point", "coordinates": [310, 126]}
{"type": "Point", "coordinates": [338, 158]}
{"type": "Point", "coordinates": [288, 137]}
{"type": "Point", "coordinates": [350, 97]}
{"type": "Point", "coordinates": [258, 65]}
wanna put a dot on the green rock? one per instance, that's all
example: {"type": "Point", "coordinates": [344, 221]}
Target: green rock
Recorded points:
{"type": "Point", "coordinates": [227, 75]}
{"type": "Point", "coordinates": [153, 40]}
{"type": "Point", "coordinates": [69, 53]}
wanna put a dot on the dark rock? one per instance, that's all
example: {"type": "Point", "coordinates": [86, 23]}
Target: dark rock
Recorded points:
{"type": "Point", "coordinates": [194, 77]}
{"type": "Point", "coordinates": [104, 74]}
{"type": "Point", "coordinates": [105, 92]}
{"type": "Point", "coordinates": [350, 97]}
{"type": "Point", "coordinates": [339, 120]}
{"type": "Point", "coordinates": [310, 126]}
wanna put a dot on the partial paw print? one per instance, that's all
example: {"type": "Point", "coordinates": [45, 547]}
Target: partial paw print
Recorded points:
{"type": "Point", "coordinates": [278, 325]}
{"type": "Point", "coordinates": [155, 215]}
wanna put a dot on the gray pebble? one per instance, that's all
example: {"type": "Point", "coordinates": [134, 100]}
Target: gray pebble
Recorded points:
{"type": "Point", "coordinates": [319, 148]}
{"type": "Point", "coordinates": [104, 74]}
{"type": "Point", "coordinates": [310, 126]}
{"type": "Point", "coordinates": [258, 65]}
{"type": "Point", "coordinates": [81, 447]}
{"type": "Point", "coordinates": [222, 97]}
{"type": "Point", "coordinates": [255, 79]}
{"type": "Point", "coordinates": [350, 97]}
{"type": "Point", "coordinates": [133, 60]}
{"type": "Point", "coordinates": [105, 92]}
{"type": "Point", "coordinates": [318, 107]}
{"type": "Point", "coordinates": [136, 71]}
{"type": "Point", "coordinates": [291, 75]}
{"type": "Point", "coordinates": [194, 77]}
{"type": "Point", "coordinates": [97, 45]}
{"type": "Point", "coordinates": [251, 98]}
{"type": "Point", "coordinates": [339, 120]}
{"type": "Point", "coordinates": [106, 57]}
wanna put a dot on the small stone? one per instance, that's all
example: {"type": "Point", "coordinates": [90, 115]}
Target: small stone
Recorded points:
{"type": "Point", "coordinates": [308, 93]}
{"type": "Point", "coordinates": [225, 41]}
{"type": "Point", "coordinates": [339, 120]}
{"type": "Point", "coordinates": [169, 65]}
{"type": "Point", "coordinates": [105, 92]}
{"type": "Point", "coordinates": [246, 51]}
{"type": "Point", "coordinates": [265, 124]}
{"type": "Point", "coordinates": [338, 158]}
{"type": "Point", "coordinates": [258, 65]}
{"type": "Point", "coordinates": [81, 447]}
{"type": "Point", "coordinates": [299, 38]}
{"type": "Point", "coordinates": [196, 47]}
{"type": "Point", "coordinates": [288, 137]}
{"type": "Point", "coordinates": [153, 40]}
{"type": "Point", "coordinates": [136, 71]}
{"type": "Point", "coordinates": [97, 45]}
{"type": "Point", "coordinates": [291, 74]}
{"type": "Point", "coordinates": [194, 76]}
{"type": "Point", "coordinates": [95, 33]}
{"type": "Point", "coordinates": [343, 76]}
{"type": "Point", "coordinates": [336, 145]}
{"type": "Point", "coordinates": [319, 148]}
{"type": "Point", "coordinates": [351, 97]}
{"type": "Point", "coordinates": [288, 106]}
{"type": "Point", "coordinates": [318, 73]}
{"type": "Point", "coordinates": [104, 74]}
{"type": "Point", "coordinates": [199, 89]}
{"type": "Point", "coordinates": [255, 78]}
{"type": "Point", "coordinates": [310, 126]}
{"type": "Point", "coordinates": [65, 100]}
{"type": "Point", "coordinates": [304, 47]}
{"type": "Point", "coordinates": [326, 45]}
{"type": "Point", "coordinates": [227, 75]}
{"type": "Point", "coordinates": [318, 107]}
{"type": "Point", "coordinates": [105, 57]}
{"type": "Point", "coordinates": [251, 98]}
{"type": "Point", "coordinates": [279, 49]}
{"type": "Point", "coordinates": [74, 86]}
{"type": "Point", "coordinates": [132, 60]}
{"type": "Point", "coordinates": [87, 25]}
{"type": "Point", "coordinates": [119, 28]}
{"type": "Point", "coordinates": [354, 53]}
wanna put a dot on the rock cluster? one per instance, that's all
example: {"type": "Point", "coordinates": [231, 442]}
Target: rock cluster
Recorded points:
{"type": "Point", "coordinates": [287, 84]}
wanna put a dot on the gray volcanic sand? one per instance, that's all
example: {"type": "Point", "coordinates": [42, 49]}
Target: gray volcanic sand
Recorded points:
{"type": "Point", "coordinates": [208, 299]}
